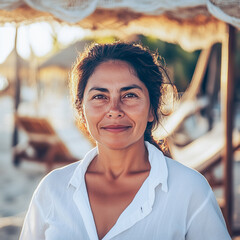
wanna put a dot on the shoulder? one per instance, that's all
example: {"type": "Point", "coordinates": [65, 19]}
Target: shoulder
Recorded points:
{"type": "Point", "coordinates": [58, 178]}
{"type": "Point", "coordinates": [180, 178]}
{"type": "Point", "coordinates": [65, 173]}
{"type": "Point", "coordinates": [186, 180]}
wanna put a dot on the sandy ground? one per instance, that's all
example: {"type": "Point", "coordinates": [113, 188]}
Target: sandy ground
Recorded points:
{"type": "Point", "coordinates": [17, 184]}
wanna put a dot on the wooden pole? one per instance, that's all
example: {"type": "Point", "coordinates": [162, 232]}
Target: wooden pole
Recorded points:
{"type": "Point", "coordinates": [227, 102]}
{"type": "Point", "coordinates": [17, 89]}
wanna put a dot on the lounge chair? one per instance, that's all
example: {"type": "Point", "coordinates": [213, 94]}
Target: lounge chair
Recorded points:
{"type": "Point", "coordinates": [191, 102]}
{"type": "Point", "coordinates": [43, 144]}
{"type": "Point", "coordinates": [206, 151]}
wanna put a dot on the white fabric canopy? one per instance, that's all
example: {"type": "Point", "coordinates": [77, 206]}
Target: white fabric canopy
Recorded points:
{"type": "Point", "coordinates": [74, 11]}
{"type": "Point", "coordinates": [191, 23]}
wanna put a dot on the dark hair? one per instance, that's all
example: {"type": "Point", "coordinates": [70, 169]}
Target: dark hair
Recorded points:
{"type": "Point", "coordinates": [146, 65]}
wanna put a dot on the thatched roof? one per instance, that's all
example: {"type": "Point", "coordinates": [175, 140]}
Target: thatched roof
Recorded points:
{"type": "Point", "coordinates": [65, 58]}
{"type": "Point", "coordinates": [192, 24]}
{"type": "Point", "coordinates": [59, 64]}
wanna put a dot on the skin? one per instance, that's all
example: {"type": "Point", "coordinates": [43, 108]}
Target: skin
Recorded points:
{"type": "Point", "coordinates": [117, 109]}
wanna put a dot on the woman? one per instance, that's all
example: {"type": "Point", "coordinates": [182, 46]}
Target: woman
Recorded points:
{"type": "Point", "coordinates": [125, 188]}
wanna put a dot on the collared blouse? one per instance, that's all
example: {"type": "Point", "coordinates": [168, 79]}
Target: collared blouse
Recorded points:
{"type": "Point", "coordinates": [174, 203]}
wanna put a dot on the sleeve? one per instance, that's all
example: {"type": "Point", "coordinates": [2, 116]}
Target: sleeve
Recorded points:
{"type": "Point", "coordinates": [35, 222]}
{"type": "Point", "coordinates": [207, 221]}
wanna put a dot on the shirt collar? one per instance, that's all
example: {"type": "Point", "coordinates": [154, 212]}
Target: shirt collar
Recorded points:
{"type": "Point", "coordinates": [158, 173]}
{"type": "Point", "coordinates": [79, 174]}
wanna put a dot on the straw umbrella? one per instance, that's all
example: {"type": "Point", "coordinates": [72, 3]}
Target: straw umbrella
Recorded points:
{"type": "Point", "coordinates": [62, 61]}
{"type": "Point", "coordinates": [193, 24]}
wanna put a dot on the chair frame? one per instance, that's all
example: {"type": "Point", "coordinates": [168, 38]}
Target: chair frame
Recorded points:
{"type": "Point", "coordinates": [43, 140]}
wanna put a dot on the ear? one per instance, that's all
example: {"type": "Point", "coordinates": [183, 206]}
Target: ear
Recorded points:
{"type": "Point", "coordinates": [150, 115]}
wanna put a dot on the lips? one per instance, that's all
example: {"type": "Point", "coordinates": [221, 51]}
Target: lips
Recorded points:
{"type": "Point", "coordinates": [116, 128]}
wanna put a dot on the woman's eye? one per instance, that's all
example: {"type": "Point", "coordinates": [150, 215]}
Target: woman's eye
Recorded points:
{"type": "Point", "coordinates": [130, 95]}
{"type": "Point", "coordinates": [99, 96]}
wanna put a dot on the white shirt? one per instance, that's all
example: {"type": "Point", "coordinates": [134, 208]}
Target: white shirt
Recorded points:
{"type": "Point", "coordinates": [174, 203]}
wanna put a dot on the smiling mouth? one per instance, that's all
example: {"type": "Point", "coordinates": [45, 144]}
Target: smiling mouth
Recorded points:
{"type": "Point", "coordinates": [116, 128]}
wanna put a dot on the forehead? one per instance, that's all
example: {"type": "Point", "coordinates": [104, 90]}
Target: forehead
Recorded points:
{"type": "Point", "coordinates": [114, 71]}
{"type": "Point", "coordinates": [117, 64]}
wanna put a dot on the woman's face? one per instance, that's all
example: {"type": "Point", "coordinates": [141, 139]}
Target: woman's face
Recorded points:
{"type": "Point", "coordinates": [116, 105]}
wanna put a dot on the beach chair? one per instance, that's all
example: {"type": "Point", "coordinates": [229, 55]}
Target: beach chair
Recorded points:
{"type": "Point", "coordinates": [206, 151]}
{"type": "Point", "coordinates": [191, 102]}
{"type": "Point", "coordinates": [43, 143]}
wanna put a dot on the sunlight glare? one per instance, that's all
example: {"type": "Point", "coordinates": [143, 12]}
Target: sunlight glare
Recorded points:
{"type": "Point", "coordinates": [37, 36]}
{"type": "Point", "coordinates": [69, 34]}
{"type": "Point", "coordinates": [3, 83]}
{"type": "Point", "coordinates": [7, 33]}
{"type": "Point", "coordinates": [23, 47]}
{"type": "Point", "coordinates": [40, 36]}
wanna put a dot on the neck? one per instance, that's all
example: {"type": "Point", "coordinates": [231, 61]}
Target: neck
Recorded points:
{"type": "Point", "coordinates": [117, 163]}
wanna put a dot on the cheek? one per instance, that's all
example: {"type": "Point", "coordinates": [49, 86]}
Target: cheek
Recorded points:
{"type": "Point", "coordinates": [92, 115]}
{"type": "Point", "coordinates": [89, 114]}
{"type": "Point", "coordinates": [140, 113]}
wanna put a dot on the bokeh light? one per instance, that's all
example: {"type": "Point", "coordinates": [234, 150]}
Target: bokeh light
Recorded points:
{"type": "Point", "coordinates": [41, 40]}
{"type": "Point", "coordinates": [68, 34]}
{"type": "Point", "coordinates": [23, 44]}
{"type": "Point", "coordinates": [7, 33]}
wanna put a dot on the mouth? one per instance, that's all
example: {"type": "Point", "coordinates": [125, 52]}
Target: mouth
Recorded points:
{"type": "Point", "coordinates": [116, 128]}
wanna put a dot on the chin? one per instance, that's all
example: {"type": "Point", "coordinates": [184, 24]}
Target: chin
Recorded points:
{"type": "Point", "coordinates": [117, 145]}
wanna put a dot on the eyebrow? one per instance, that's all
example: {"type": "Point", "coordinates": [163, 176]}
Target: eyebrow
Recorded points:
{"type": "Point", "coordinates": [123, 89]}
{"type": "Point", "coordinates": [98, 89]}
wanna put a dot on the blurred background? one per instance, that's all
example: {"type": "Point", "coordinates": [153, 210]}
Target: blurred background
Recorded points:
{"type": "Point", "coordinates": [35, 61]}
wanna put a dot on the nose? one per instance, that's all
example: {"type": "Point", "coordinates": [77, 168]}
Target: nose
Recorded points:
{"type": "Point", "coordinates": [114, 114]}
{"type": "Point", "coordinates": [115, 111]}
